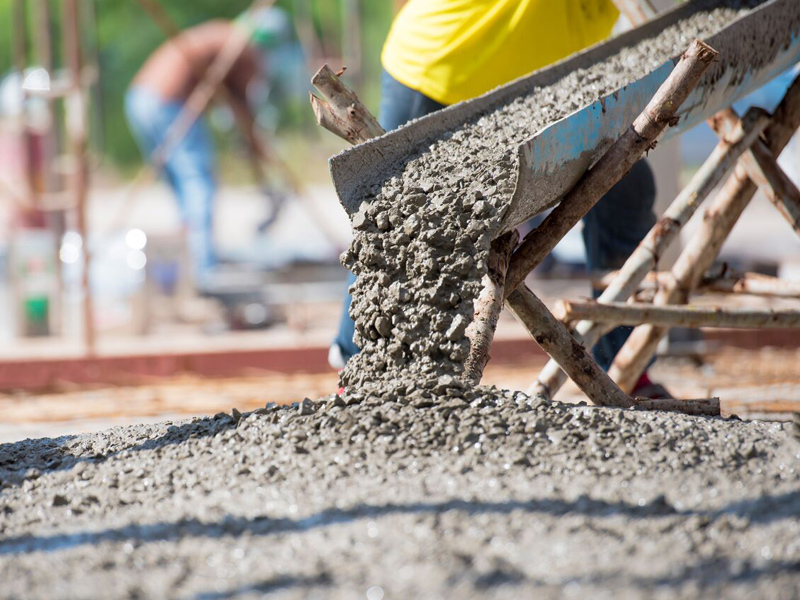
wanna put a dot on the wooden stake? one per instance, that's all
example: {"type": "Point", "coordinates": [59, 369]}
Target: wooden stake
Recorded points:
{"type": "Point", "coordinates": [764, 171]}
{"type": "Point", "coordinates": [488, 307]}
{"type": "Point", "coordinates": [781, 191]}
{"type": "Point", "coordinates": [620, 313]}
{"type": "Point", "coordinates": [751, 284]}
{"type": "Point", "coordinates": [705, 407]}
{"type": "Point", "coordinates": [704, 247]}
{"type": "Point", "coordinates": [341, 112]}
{"type": "Point", "coordinates": [614, 164]}
{"type": "Point", "coordinates": [556, 340]}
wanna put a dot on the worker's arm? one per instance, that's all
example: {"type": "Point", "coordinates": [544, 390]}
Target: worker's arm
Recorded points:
{"type": "Point", "coordinates": [245, 76]}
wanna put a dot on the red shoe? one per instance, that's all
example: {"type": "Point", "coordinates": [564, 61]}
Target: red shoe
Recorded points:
{"type": "Point", "coordinates": [645, 388]}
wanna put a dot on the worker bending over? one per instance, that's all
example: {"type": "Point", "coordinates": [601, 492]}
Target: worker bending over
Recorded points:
{"type": "Point", "coordinates": [157, 96]}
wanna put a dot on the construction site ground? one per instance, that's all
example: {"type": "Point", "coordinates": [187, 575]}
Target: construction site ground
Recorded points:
{"type": "Point", "coordinates": [486, 496]}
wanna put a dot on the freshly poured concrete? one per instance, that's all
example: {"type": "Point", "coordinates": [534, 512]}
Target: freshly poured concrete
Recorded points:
{"type": "Point", "coordinates": [483, 496]}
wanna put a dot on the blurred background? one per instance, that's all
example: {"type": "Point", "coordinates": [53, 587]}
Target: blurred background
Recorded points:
{"type": "Point", "coordinates": [96, 283]}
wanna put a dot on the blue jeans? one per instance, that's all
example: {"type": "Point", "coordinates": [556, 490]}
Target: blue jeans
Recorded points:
{"type": "Point", "coordinates": [611, 230]}
{"type": "Point", "coordinates": [189, 170]}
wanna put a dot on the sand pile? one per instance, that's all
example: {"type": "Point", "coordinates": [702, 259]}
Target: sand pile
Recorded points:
{"type": "Point", "coordinates": [422, 238]}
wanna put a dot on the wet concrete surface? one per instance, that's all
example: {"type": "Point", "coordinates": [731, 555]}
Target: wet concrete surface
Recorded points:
{"type": "Point", "coordinates": [478, 494]}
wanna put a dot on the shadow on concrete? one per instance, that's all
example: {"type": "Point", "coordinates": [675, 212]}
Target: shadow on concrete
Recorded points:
{"type": "Point", "coordinates": [48, 455]}
{"type": "Point", "coordinates": [763, 509]}
{"type": "Point", "coordinates": [284, 582]}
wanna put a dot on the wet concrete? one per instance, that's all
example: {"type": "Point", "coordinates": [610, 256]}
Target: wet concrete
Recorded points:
{"type": "Point", "coordinates": [488, 495]}
{"type": "Point", "coordinates": [421, 236]}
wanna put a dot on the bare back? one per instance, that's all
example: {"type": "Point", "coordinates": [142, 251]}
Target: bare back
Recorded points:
{"type": "Point", "coordinates": [172, 70]}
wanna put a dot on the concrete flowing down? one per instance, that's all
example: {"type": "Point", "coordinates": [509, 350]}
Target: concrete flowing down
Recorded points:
{"type": "Point", "coordinates": [421, 237]}
{"type": "Point", "coordinates": [489, 495]}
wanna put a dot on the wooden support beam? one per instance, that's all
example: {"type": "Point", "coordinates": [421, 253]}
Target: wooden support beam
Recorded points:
{"type": "Point", "coordinates": [614, 164]}
{"type": "Point", "coordinates": [340, 111]}
{"type": "Point", "coordinates": [556, 340]}
{"type": "Point", "coordinates": [703, 248]}
{"type": "Point", "coordinates": [704, 407]}
{"type": "Point", "coordinates": [751, 284]}
{"type": "Point", "coordinates": [763, 169]}
{"type": "Point", "coordinates": [754, 284]}
{"type": "Point", "coordinates": [488, 307]}
{"type": "Point", "coordinates": [620, 313]}
{"type": "Point", "coordinates": [646, 255]}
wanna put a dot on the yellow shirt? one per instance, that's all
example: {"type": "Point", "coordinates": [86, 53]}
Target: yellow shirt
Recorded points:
{"type": "Point", "coordinates": [453, 50]}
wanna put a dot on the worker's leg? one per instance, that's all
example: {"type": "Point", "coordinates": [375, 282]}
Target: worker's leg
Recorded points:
{"type": "Point", "coordinates": [611, 232]}
{"type": "Point", "coordinates": [143, 110]}
{"type": "Point", "coordinates": [399, 104]}
{"type": "Point", "coordinates": [189, 170]}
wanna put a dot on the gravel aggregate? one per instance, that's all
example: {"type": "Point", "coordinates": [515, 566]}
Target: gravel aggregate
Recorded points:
{"type": "Point", "coordinates": [484, 494]}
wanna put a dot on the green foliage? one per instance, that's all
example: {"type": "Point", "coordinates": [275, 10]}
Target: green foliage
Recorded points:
{"type": "Point", "coordinates": [126, 36]}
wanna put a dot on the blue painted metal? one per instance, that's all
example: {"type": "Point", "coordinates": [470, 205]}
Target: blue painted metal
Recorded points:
{"type": "Point", "coordinates": [753, 49]}
{"type": "Point", "coordinates": [554, 159]}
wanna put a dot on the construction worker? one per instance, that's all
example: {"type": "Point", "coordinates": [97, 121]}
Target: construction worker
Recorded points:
{"type": "Point", "coordinates": [158, 94]}
{"type": "Point", "coordinates": [440, 52]}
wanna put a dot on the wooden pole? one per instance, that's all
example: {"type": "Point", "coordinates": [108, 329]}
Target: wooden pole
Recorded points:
{"type": "Point", "coordinates": [340, 111]}
{"type": "Point", "coordinates": [781, 191]}
{"type": "Point", "coordinates": [555, 339]}
{"type": "Point", "coordinates": [488, 307]}
{"type": "Point", "coordinates": [704, 407]}
{"type": "Point", "coordinates": [704, 247]}
{"type": "Point", "coordinates": [620, 313]}
{"type": "Point", "coordinates": [645, 257]}
{"type": "Point", "coordinates": [763, 169]}
{"type": "Point", "coordinates": [751, 284]}
{"type": "Point", "coordinates": [76, 131]}
{"type": "Point", "coordinates": [614, 164]}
